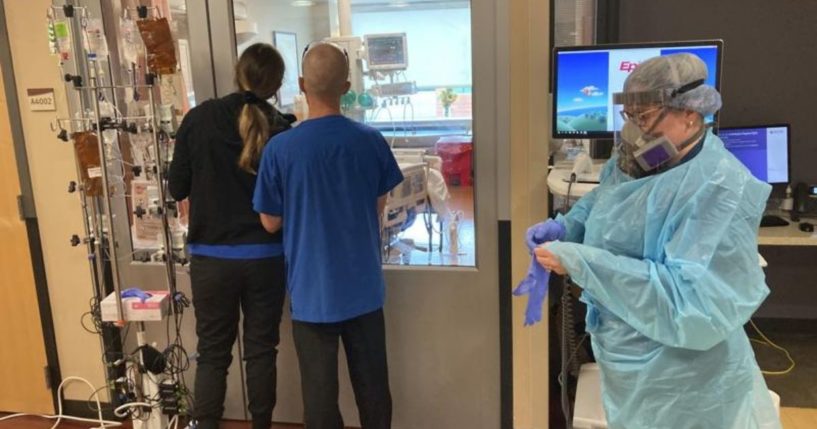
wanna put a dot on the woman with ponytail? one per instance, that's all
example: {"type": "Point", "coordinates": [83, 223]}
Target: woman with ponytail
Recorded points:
{"type": "Point", "coordinates": [236, 266]}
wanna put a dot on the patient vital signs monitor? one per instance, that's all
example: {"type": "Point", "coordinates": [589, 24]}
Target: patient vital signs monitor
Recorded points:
{"type": "Point", "coordinates": [385, 52]}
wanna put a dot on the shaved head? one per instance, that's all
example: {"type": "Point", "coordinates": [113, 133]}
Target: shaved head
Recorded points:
{"type": "Point", "coordinates": [326, 72]}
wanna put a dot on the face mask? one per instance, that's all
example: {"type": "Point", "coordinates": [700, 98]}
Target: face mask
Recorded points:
{"type": "Point", "coordinates": [626, 160]}
{"type": "Point", "coordinates": [641, 152]}
{"type": "Point", "coordinates": [649, 152]}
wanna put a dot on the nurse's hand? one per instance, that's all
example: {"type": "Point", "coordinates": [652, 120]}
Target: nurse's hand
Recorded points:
{"type": "Point", "coordinates": [549, 261]}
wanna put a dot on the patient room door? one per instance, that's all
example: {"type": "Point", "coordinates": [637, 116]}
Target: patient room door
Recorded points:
{"type": "Point", "coordinates": [443, 306]}
{"type": "Point", "coordinates": [22, 356]}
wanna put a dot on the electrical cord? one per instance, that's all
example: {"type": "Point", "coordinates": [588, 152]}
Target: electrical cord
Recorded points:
{"type": "Point", "coordinates": [578, 346]}
{"type": "Point", "coordinates": [568, 322]}
{"type": "Point", "coordinates": [118, 412]}
{"type": "Point", "coordinates": [568, 346]}
{"type": "Point", "coordinates": [573, 179]}
{"type": "Point", "coordinates": [96, 330]}
{"type": "Point", "coordinates": [177, 359]}
{"type": "Point", "coordinates": [98, 325]}
{"type": "Point", "coordinates": [407, 105]}
{"type": "Point", "coordinates": [767, 342]}
{"type": "Point", "coordinates": [376, 113]}
{"type": "Point", "coordinates": [176, 356]}
{"type": "Point", "coordinates": [568, 340]}
{"type": "Point", "coordinates": [103, 424]}
{"type": "Point", "coordinates": [91, 398]}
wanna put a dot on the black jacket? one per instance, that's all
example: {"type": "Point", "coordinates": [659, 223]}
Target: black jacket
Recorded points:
{"type": "Point", "coordinates": [205, 169]}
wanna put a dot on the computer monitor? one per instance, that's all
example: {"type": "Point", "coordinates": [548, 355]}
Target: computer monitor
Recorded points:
{"type": "Point", "coordinates": [385, 52]}
{"type": "Point", "coordinates": [763, 149]}
{"type": "Point", "coordinates": [585, 78]}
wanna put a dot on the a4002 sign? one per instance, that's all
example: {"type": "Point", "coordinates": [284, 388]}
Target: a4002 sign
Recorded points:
{"type": "Point", "coordinates": [41, 99]}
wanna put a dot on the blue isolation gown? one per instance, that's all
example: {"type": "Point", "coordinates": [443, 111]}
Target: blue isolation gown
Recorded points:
{"type": "Point", "coordinates": [669, 269]}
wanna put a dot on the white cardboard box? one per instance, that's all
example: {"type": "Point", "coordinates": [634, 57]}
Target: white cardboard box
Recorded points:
{"type": "Point", "coordinates": [152, 310]}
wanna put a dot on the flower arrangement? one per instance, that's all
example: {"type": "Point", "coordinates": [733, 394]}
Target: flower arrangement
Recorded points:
{"type": "Point", "coordinates": [447, 97]}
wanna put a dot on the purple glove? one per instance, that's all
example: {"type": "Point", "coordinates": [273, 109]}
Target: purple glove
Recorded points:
{"type": "Point", "coordinates": [543, 232]}
{"type": "Point", "coordinates": [535, 285]}
{"type": "Point", "coordinates": [135, 292]}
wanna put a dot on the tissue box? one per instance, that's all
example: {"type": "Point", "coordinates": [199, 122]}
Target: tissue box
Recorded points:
{"type": "Point", "coordinates": [152, 310]}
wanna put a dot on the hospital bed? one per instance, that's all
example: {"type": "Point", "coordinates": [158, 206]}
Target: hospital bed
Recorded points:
{"type": "Point", "coordinates": [422, 193]}
{"type": "Point", "coordinates": [436, 188]}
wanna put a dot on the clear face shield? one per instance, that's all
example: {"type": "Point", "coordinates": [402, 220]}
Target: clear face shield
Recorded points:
{"type": "Point", "coordinates": [642, 149]}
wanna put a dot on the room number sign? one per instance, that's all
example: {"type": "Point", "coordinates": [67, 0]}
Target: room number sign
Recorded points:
{"type": "Point", "coordinates": [41, 99]}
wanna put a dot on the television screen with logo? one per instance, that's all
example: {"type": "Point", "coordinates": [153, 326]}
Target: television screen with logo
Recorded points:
{"type": "Point", "coordinates": [586, 77]}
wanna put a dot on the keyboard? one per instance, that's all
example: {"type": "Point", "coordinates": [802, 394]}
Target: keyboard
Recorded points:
{"type": "Point", "coordinates": [772, 220]}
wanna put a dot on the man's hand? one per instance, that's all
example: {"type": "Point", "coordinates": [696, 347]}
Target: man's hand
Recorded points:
{"type": "Point", "coordinates": [381, 204]}
{"type": "Point", "coordinates": [381, 207]}
{"type": "Point", "coordinates": [549, 261]}
{"type": "Point", "coordinates": [271, 223]}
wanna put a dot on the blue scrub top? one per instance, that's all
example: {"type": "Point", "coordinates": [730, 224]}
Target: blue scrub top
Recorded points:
{"type": "Point", "coordinates": [324, 178]}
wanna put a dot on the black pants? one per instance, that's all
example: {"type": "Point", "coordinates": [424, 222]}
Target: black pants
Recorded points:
{"type": "Point", "coordinates": [364, 340]}
{"type": "Point", "coordinates": [222, 288]}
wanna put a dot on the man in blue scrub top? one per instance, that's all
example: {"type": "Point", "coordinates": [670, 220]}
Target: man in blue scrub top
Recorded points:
{"type": "Point", "coordinates": [326, 183]}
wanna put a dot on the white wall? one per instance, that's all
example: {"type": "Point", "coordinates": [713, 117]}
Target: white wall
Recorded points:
{"type": "Point", "coordinates": [281, 16]}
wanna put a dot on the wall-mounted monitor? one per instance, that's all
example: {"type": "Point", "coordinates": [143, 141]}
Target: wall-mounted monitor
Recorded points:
{"type": "Point", "coordinates": [763, 149]}
{"type": "Point", "coordinates": [585, 78]}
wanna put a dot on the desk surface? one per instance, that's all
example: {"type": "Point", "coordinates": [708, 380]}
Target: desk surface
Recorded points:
{"type": "Point", "coordinates": [786, 235]}
{"type": "Point", "coordinates": [559, 176]}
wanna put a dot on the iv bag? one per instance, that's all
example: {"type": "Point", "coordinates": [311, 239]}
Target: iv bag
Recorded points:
{"type": "Point", "coordinates": [131, 41]}
{"type": "Point", "coordinates": [62, 32]}
{"type": "Point", "coordinates": [95, 44]}
{"type": "Point", "coordinates": [159, 44]}
{"type": "Point", "coordinates": [86, 146]}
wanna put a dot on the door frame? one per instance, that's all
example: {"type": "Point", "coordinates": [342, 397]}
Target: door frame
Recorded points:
{"type": "Point", "coordinates": [29, 211]}
{"type": "Point", "coordinates": [490, 43]}
{"type": "Point", "coordinates": [488, 284]}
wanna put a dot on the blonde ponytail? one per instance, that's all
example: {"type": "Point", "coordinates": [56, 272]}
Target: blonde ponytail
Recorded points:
{"type": "Point", "coordinates": [254, 128]}
{"type": "Point", "coordinates": [258, 73]}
